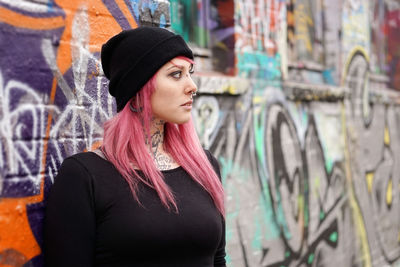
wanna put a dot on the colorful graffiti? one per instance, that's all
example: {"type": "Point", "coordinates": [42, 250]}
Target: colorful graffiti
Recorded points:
{"type": "Point", "coordinates": [294, 101]}
{"type": "Point", "coordinates": [305, 30]}
{"type": "Point", "coordinates": [393, 41]}
{"type": "Point", "coordinates": [308, 167]}
{"type": "Point", "coordinates": [53, 101]}
{"type": "Point", "coordinates": [385, 40]}
{"type": "Point", "coordinates": [207, 24]}
{"type": "Point", "coordinates": [258, 43]}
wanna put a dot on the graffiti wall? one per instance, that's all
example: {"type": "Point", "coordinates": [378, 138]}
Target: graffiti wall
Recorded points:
{"type": "Point", "coordinates": [308, 147]}
{"type": "Point", "coordinates": [53, 101]}
{"type": "Point", "coordinates": [298, 100]}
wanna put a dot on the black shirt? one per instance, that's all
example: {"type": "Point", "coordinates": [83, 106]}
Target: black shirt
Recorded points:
{"type": "Point", "coordinates": [92, 219]}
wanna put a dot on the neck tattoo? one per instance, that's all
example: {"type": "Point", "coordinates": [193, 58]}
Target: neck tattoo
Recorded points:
{"type": "Point", "coordinates": [161, 158]}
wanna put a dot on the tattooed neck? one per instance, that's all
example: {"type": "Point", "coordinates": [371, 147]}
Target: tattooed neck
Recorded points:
{"type": "Point", "coordinates": [161, 158]}
{"type": "Point", "coordinates": [157, 136]}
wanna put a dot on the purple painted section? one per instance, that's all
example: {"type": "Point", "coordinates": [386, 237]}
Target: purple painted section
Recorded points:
{"type": "Point", "coordinates": [117, 13]}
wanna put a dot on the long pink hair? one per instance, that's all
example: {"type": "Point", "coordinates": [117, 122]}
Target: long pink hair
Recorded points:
{"type": "Point", "coordinates": [124, 145]}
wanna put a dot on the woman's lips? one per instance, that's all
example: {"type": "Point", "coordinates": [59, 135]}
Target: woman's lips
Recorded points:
{"type": "Point", "coordinates": [189, 103]}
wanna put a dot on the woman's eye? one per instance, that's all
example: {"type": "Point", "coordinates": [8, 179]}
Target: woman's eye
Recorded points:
{"type": "Point", "coordinates": [176, 74]}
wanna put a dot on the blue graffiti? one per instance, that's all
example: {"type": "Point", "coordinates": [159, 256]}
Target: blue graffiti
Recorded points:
{"type": "Point", "coordinates": [152, 5]}
{"type": "Point", "coordinates": [135, 8]}
{"type": "Point", "coordinates": [163, 21]}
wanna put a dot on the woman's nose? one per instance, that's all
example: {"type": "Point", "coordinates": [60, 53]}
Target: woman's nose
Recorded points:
{"type": "Point", "coordinates": [191, 86]}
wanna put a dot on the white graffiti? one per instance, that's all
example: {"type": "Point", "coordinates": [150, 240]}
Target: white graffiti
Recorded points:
{"type": "Point", "coordinates": [75, 127]}
{"type": "Point", "coordinates": [79, 126]}
{"type": "Point", "coordinates": [37, 6]}
{"type": "Point", "coordinates": [206, 116]}
{"type": "Point", "coordinates": [21, 119]}
{"type": "Point", "coordinates": [221, 85]}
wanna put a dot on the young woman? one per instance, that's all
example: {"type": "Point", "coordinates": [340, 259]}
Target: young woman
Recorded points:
{"type": "Point", "coordinates": [150, 196]}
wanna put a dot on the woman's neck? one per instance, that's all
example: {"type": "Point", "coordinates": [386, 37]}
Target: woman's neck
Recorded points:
{"type": "Point", "coordinates": [157, 136]}
{"type": "Point", "coordinates": [161, 158]}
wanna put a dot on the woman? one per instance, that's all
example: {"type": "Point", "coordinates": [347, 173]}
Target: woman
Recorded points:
{"type": "Point", "coordinates": [150, 196]}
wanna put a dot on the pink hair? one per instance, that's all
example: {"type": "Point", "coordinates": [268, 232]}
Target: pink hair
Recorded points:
{"type": "Point", "coordinates": [124, 145]}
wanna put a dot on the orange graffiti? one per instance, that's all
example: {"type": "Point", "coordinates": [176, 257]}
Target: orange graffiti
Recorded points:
{"type": "Point", "coordinates": [122, 5]}
{"type": "Point", "coordinates": [16, 237]}
{"type": "Point", "coordinates": [102, 26]}
{"type": "Point", "coordinates": [15, 231]}
{"type": "Point", "coordinates": [22, 21]}
{"type": "Point", "coordinates": [95, 146]}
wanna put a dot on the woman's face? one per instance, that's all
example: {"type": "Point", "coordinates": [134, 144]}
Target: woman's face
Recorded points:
{"type": "Point", "coordinates": [172, 97]}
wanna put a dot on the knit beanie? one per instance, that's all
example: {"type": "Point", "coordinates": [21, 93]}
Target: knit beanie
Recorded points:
{"type": "Point", "coordinates": [132, 57]}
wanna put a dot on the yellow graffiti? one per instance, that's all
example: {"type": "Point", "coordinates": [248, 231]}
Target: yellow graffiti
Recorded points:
{"type": "Point", "coordinates": [316, 185]}
{"type": "Point", "coordinates": [356, 49]}
{"type": "Point", "coordinates": [386, 136]}
{"type": "Point", "coordinates": [356, 211]}
{"type": "Point", "coordinates": [370, 179]}
{"type": "Point", "coordinates": [389, 192]}
{"type": "Point", "coordinates": [302, 22]}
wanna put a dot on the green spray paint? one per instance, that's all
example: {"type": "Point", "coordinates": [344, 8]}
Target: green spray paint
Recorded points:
{"type": "Point", "coordinates": [333, 237]}
{"type": "Point", "coordinates": [287, 254]}
{"type": "Point", "coordinates": [310, 258]}
{"type": "Point", "coordinates": [266, 228]}
{"type": "Point", "coordinates": [321, 215]}
{"type": "Point", "coordinates": [186, 22]}
{"type": "Point", "coordinates": [259, 137]}
{"type": "Point", "coordinates": [259, 65]}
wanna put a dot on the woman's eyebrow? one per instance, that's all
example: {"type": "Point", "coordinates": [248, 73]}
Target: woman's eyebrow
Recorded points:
{"type": "Point", "coordinates": [178, 66]}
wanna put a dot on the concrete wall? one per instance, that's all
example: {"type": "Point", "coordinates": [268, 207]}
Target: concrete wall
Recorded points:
{"type": "Point", "coordinates": [298, 101]}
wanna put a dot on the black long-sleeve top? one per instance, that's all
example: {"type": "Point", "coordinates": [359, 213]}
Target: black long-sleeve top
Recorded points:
{"type": "Point", "coordinates": [92, 219]}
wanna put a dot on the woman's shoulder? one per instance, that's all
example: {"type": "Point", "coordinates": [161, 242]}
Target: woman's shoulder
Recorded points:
{"type": "Point", "coordinates": [213, 161]}
{"type": "Point", "coordinates": [87, 162]}
{"type": "Point", "coordinates": [86, 156]}
{"type": "Point", "coordinates": [210, 156]}
{"type": "Point", "coordinates": [89, 158]}
{"type": "Point", "coordinates": [84, 169]}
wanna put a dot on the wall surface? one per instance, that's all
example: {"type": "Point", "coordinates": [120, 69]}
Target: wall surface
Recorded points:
{"type": "Point", "coordinates": [298, 100]}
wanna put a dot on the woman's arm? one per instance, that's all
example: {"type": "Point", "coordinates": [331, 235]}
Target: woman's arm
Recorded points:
{"type": "Point", "coordinates": [219, 258]}
{"type": "Point", "coordinates": [70, 224]}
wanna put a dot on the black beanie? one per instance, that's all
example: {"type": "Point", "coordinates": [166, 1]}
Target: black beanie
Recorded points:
{"type": "Point", "coordinates": [132, 57]}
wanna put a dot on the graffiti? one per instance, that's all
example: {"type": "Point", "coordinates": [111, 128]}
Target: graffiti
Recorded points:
{"type": "Point", "coordinates": [308, 197]}
{"type": "Point", "coordinates": [257, 50]}
{"type": "Point", "coordinates": [384, 40]}
{"type": "Point", "coordinates": [53, 102]}
{"type": "Point", "coordinates": [149, 12]}
{"type": "Point", "coordinates": [293, 101]}
{"type": "Point", "coordinates": [331, 35]}
{"type": "Point", "coordinates": [393, 22]}
{"type": "Point", "coordinates": [299, 207]}
{"type": "Point", "coordinates": [189, 18]}
{"type": "Point", "coordinates": [207, 24]}
{"type": "Point", "coordinates": [377, 186]}
{"type": "Point", "coordinates": [305, 33]}
{"type": "Point", "coordinates": [310, 205]}
{"type": "Point", "coordinates": [357, 78]}
{"type": "Point", "coordinates": [206, 118]}
{"type": "Point", "coordinates": [19, 168]}
{"type": "Point", "coordinates": [354, 27]}
{"type": "Point", "coordinates": [221, 85]}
